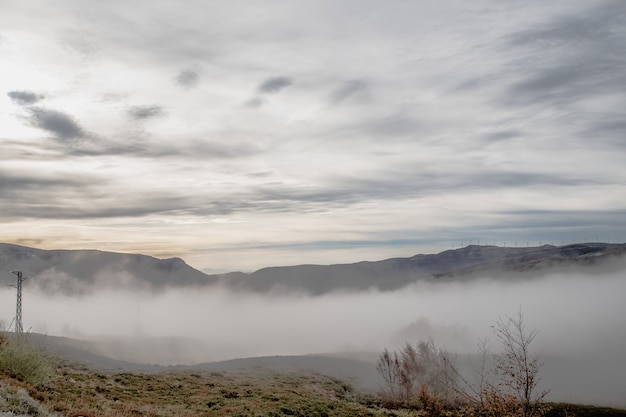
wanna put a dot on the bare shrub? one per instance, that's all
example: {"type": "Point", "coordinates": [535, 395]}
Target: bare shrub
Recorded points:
{"type": "Point", "coordinates": [389, 366]}
{"type": "Point", "coordinates": [414, 369]}
{"type": "Point", "coordinates": [432, 404]}
{"type": "Point", "coordinates": [22, 359]}
{"type": "Point", "coordinates": [516, 367]}
{"type": "Point", "coordinates": [509, 388]}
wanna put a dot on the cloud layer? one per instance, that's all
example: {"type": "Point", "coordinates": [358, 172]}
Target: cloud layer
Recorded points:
{"type": "Point", "coordinates": [249, 135]}
{"type": "Point", "coordinates": [573, 326]}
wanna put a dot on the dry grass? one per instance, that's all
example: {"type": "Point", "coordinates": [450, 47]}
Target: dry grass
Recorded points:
{"type": "Point", "coordinates": [74, 393]}
{"type": "Point", "coordinates": [24, 360]}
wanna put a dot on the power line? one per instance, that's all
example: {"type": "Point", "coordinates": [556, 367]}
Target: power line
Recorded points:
{"type": "Point", "coordinates": [19, 329]}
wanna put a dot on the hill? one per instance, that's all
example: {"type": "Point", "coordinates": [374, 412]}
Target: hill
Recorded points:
{"type": "Point", "coordinates": [460, 264]}
{"type": "Point", "coordinates": [310, 385]}
{"type": "Point", "coordinates": [80, 271]}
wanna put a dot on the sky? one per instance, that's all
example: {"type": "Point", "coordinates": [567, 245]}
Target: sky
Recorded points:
{"type": "Point", "coordinates": [239, 135]}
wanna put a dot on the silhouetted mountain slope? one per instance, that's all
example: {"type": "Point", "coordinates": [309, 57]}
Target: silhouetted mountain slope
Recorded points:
{"type": "Point", "coordinates": [391, 274]}
{"type": "Point", "coordinates": [78, 271]}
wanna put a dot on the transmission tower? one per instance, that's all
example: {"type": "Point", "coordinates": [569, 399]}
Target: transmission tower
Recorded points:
{"type": "Point", "coordinates": [19, 329]}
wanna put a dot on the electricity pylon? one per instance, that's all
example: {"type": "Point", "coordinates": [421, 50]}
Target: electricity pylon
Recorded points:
{"type": "Point", "coordinates": [19, 329]}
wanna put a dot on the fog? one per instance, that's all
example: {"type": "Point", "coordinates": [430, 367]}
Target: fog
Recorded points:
{"type": "Point", "coordinates": [580, 319]}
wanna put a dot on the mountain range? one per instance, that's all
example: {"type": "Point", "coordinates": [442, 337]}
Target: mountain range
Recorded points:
{"type": "Point", "coordinates": [82, 271]}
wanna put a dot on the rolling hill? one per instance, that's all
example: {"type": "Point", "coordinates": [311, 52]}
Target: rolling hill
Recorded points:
{"type": "Point", "coordinates": [80, 271]}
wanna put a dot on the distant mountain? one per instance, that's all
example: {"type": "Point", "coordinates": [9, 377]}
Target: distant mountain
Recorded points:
{"type": "Point", "coordinates": [395, 273]}
{"type": "Point", "coordinates": [80, 271]}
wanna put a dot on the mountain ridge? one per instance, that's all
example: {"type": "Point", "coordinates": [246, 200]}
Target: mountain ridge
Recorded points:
{"type": "Point", "coordinates": [76, 271]}
{"type": "Point", "coordinates": [79, 271]}
{"type": "Point", "coordinates": [454, 264]}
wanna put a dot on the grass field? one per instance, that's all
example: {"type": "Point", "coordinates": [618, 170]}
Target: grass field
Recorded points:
{"type": "Point", "coordinates": [71, 390]}
{"type": "Point", "coordinates": [76, 392]}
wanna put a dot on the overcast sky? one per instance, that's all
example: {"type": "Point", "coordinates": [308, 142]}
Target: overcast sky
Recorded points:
{"type": "Point", "coordinates": [245, 134]}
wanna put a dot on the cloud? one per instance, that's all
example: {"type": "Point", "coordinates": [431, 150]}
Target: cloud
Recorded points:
{"type": "Point", "coordinates": [44, 194]}
{"type": "Point", "coordinates": [608, 130]}
{"type": "Point", "coordinates": [597, 25]}
{"type": "Point", "coordinates": [255, 103]}
{"type": "Point", "coordinates": [188, 78]}
{"type": "Point", "coordinates": [501, 135]}
{"type": "Point", "coordinates": [12, 185]}
{"type": "Point", "coordinates": [56, 122]}
{"type": "Point", "coordinates": [348, 90]}
{"type": "Point", "coordinates": [145, 112]}
{"type": "Point", "coordinates": [457, 314]}
{"type": "Point", "coordinates": [24, 98]}
{"type": "Point", "coordinates": [571, 58]}
{"type": "Point", "coordinates": [274, 85]}
{"type": "Point", "coordinates": [66, 196]}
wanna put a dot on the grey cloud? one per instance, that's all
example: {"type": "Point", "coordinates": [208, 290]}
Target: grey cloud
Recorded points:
{"type": "Point", "coordinates": [348, 90]}
{"type": "Point", "coordinates": [502, 135]}
{"type": "Point", "coordinates": [56, 122]}
{"type": "Point", "coordinates": [254, 103]}
{"type": "Point", "coordinates": [561, 226]}
{"type": "Point", "coordinates": [81, 42]}
{"type": "Point", "coordinates": [572, 57]}
{"type": "Point", "coordinates": [145, 112]}
{"type": "Point", "coordinates": [342, 192]}
{"type": "Point", "coordinates": [42, 196]}
{"type": "Point", "coordinates": [55, 209]}
{"type": "Point", "coordinates": [13, 185]}
{"type": "Point", "coordinates": [606, 131]}
{"type": "Point", "coordinates": [65, 196]}
{"type": "Point", "coordinates": [562, 85]}
{"type": "Point", "coordinates": [593, 218]}
{"type": "Point", "coordinates": [24, 98]}
{"type": "Point", "coordinates": [506, 179]}
{"type": "Point", "coordinates": [601, 23]}
{"type": "Point", "coordinates": [196, 149]}
{"type": "Point", "coordinates": [188, 78]}
{"type": "Point", "coordinates": [201, 149]}
{"type": "Point", "coordinates": [394, 126]}
{"type": "Point", "coordinates": [275, 84]}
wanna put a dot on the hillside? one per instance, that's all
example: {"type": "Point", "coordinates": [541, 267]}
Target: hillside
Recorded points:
{"type": "Point", "coordinates": [459, 264]}
{"type": "Point", "coordinates": [80, 271]}
{"type": "Point", "coordinates": [270, 386]}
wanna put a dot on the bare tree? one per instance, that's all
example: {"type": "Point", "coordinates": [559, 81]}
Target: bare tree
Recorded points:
{"type": "Point", "coordinates": [516, 366]}
{"type": "Point", "coordinates": [409, 371]}
{"type": "Point", "coordinates": [416, 367]}
{"type": "Point", "coordinates": [388, 366]}
{"type": "Point", "coordinates": [438, 370]}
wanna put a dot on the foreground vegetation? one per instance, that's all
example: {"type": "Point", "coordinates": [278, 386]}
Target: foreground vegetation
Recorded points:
{"type": "Point", "coordinates": [33, 384]}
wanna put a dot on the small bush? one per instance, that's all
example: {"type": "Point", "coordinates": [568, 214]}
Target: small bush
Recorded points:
{"type": "Point", "coordinates": [22, 359]}
{"type": "Point", "coordinates": [17, 401]}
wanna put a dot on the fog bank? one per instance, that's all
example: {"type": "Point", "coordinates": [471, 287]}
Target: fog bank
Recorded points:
{"type": "Point", "coordinates": [577, 317]}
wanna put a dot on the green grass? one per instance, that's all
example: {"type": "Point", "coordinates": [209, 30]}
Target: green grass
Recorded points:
{"type": "Point", "coordinates": [569, 410]}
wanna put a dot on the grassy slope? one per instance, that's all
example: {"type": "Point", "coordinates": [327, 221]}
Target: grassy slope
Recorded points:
{"type": "Point", "coordinates": [80, 392]}
{"type": "Point", "coordinates": [73, 392]}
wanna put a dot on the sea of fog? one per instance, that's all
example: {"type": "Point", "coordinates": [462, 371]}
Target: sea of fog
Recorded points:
{"type": "Point", "coordinates": [580, 321]}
